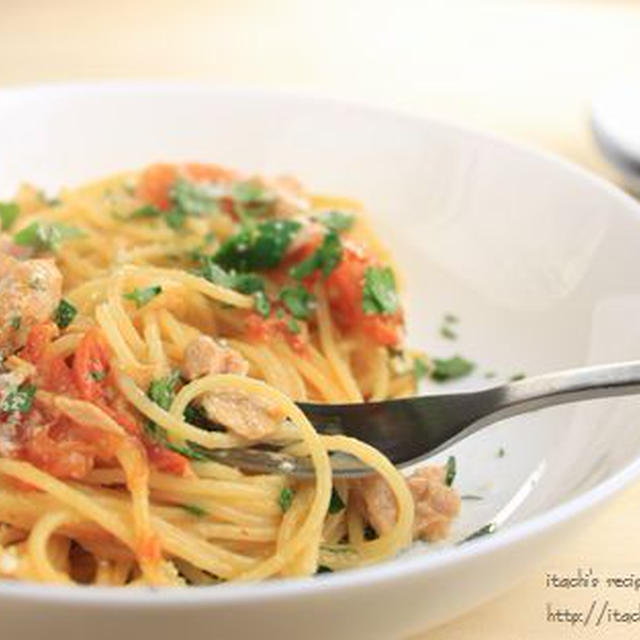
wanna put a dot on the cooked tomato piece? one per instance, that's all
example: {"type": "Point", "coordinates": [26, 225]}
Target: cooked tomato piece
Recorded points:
{"type": "Point", "coordinates": [91, 366]}
{"type": "Point", "coordinates": [38, 340]}
{"type": "Point", "coordinates": [166, 460]}
{"type": "Point", "coordinates": [155, 183]}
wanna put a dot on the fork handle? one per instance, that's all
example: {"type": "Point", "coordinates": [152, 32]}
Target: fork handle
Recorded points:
{"type": "Point", "coordinates": [550, 389]}
{"type": "Point", "coordinates": [472, 411]}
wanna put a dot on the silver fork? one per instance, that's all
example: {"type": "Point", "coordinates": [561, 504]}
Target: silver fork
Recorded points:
{"type": "Point", "coordinates": [409, 430]}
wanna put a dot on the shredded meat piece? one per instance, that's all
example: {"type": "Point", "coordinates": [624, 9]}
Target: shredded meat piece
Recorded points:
{"type": "Point", "coordinates": [9, 425]}
{"type": "Point", "coordinates": [291, 198]}
{"type": "Point", "coordinates": [30, 291]}
{"type": "Point", "coordinates": [376, 502]}
{"type": "Point", "coordinates": [204, 356]}
{"type": "Point", "coordinates": [436, 504]}
{"type": "Point", "coordinates": [249, 417]}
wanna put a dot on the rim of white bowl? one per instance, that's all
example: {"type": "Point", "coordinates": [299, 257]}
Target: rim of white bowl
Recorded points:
{"type": "Point", "coordinates": [388, 571]}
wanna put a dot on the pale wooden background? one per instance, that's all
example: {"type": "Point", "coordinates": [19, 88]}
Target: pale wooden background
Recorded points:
{"type": "Point", "coordinates": [526, 69]}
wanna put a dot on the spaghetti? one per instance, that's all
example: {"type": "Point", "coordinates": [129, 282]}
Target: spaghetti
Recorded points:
{"type": "Point", "coordinates": [153, 315]}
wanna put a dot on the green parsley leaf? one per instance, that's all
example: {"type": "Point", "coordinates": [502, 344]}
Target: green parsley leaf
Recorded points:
{"type": "Point", "coordinates": [335, 504]}
{"type": "Point", "coordinates": [175, 218]}
{"type": "Point", "coordinates": [142, 296]}
{"type": "Point", "coordinates": [9, 212]}
{"type": "Point", "coordinates": [261, 303]}
{"type": "Point", "coordinates": [214, 273]}
{"type": "Point", "coordinates": [250, 191]}
{"type": "Point", "coordinates": [449, 318]}
{"type": "Point", "coordinates": [192, 198]}
{"type": "Point", "coordinates": [501, 452]}
{"type": "Point", "coordinates": [195, 414]}
{"type": "Point", "coordinates": [337, 220]}
{"type": "Point", "coordinates": [517, 376]}
{"type": "Point", "coordinates": [420, 368]}
{"type": "Point", "coordinates": [379, 293]}
{"type": "Point", "coordinates": [256, 247]}
{"type": "Point", "coordinates": [65, 313]}
{"type": "Point", "coordinates": [15, 322]}
{"type": "Point", "coordinates": [194, 510]}
{"type": "Point", "coordinates": [325, 258]}
{"type": "Point", "coordinates": [251, 199]}
{"type": "Point", "coordinates": [146, 211]}
{"type": "Point", "coordinates": [293, 326]}
{"type": "Point", "coordinates": [323, 569]}
{"type": "Point", "coordinates": [163, 390]}
{"type": "Point", "coordinates": [248, 283]}
{"type": "Point", "coordinates": [450, 368]}
{"type": "Point", "coordinates": [447, 332]}
{"type": "Point", "coordinates": [43, 236]}
{"type": "Point", "coordinates": [98, 375]}
{"type": "Point", "coordinates": [286, 498]}
{"type": "Point", "coordinates": [184, 450]}
{"type": "Point", "coordinates": [298, 301]}
{"type": "Point", "coordinates": [19, 400]}
{"type": "Point", "coordinates": [450, 471]}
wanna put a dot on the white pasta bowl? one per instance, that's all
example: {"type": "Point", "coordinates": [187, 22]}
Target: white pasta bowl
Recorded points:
{"type": "Point", "coordinates": [537, 258]}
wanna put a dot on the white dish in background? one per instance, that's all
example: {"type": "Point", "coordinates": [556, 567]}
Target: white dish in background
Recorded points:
{"type": "Point", "coordinates": [538, 258]}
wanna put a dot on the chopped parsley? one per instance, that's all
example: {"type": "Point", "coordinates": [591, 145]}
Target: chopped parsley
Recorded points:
{"type": "Point", "coordinates": [175, 218]}
{"type": "Point", "coordinates": [194, 510]}
{"type": "Point", "coordinates": [379, 294]}
{"type": "Point", "coordinates": [163, 390]}
{"type": "Point", "coordinates": [293, 326]}
{"type": "Point", "coordinates": [257, 246]}
{"type": "Point", "coordinates": [15, 322]}
{"type": "Point", "coordinates": [194, 414]}
{"type": "Point", "coordinates": [248, 283]}
{"type": "Point", "coordinates": [65, 313]}
{"type": "Point", "coordinates": [501, 452]}
{"type": "Point", "coordinates": [447, 332]}
{"type": "Point", "coordinates": [450, 471]}
{"type": "Point", "coordinates": [517, 376]}
{"type": "Point", "coordinates": [420, 368]}
{"type": "Point", "coordinates": [325, 258]}
{"type": "Point", "coordinates": [98, 375]}
{"type": "Point", "coordinates": [142, 296]}
{"type": "Point", "coordinates": [450, 368]}
{"type": "Point", "coordinates": [261, 303]}
{"type": "Point", "coordinates": [335, 504]}
{"type": "Point", "coordinates": [323, 569]}
{"type": "Point", "coordinates": [192, 198]}
{"type": "Point", "coordinates": [449, 318]}
{"type": "Point", "coordinates": [43, 236]}
{"type": "Point", "coordinates": [286, 498]}
{"type": "Point", "coordinates": [146, 211]}
{"type": "Point", "coordinates": [19, 400]}
{"type": "Point", "coordinates": [298, 301]}
{"type": "Point", "coordinates": [251, 198]}
{"type": "Point", "coordinates": [9, 212]}
{"type": "Point", "coordinates": [336, 220]}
